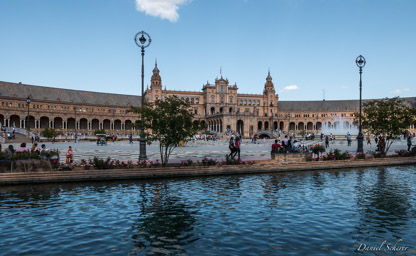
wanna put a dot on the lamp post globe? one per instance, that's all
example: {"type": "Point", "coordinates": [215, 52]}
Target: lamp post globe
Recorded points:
{"type": "Point", "coordinates": [360, 61]}
{"type": "Point", "coordinates": [142, 40]}
{"type": "Point", "coordinates": [28, 116]}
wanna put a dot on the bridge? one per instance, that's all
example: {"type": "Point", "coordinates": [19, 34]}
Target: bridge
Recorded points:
{"type": "Point", "coordinates": [265, 134]}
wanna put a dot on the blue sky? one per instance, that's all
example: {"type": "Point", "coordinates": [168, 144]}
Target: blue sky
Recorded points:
{"type": "Point", "coordinates": [310, 46]}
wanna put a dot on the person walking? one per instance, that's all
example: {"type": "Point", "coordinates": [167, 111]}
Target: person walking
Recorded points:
{"type": "Point", "coordinates": [368, 139]}
{"type": "Point", "coordinates": [326, 141]}
{"type": "Point", "coordinates": [349, 139]}
{"type": "Point", "coordinates": [237, 147]}
{"type": "Point", "coordinates": [130, 139]}
{"type": "Point", "coordinates": [409, 142]}
{"type": "Point", "coordinates": [231, 146]}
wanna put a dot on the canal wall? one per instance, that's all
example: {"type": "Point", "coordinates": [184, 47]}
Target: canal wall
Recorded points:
{"type": "Point", "coordinates": [269, 166]}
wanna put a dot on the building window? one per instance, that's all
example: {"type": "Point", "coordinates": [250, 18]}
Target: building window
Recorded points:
{"type": "Point", "coordinates": [192, 100]}
{"type": "Point", "coordinates": [212, 99]}
{"type": "Point", "coordinates": [231, 100]}
{"type": "Point", "coordinates": [197, 100]}
{"type": "Point", "coordinates": [249, 102]}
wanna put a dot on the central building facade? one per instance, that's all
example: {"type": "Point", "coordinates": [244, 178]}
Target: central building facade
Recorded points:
{"type": "Point", "coordinates": [221, 108]}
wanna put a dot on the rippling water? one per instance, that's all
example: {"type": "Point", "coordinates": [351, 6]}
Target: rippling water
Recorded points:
{"type": "Point", "coordinates": [299, 213]}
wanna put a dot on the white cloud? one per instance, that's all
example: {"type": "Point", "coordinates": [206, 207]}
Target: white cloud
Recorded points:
{"type": "Point", "coordinates": [399, 91]}
{"type": "Point", "coordinates": [165, 9]}
{"type": "Point", "coordinates": [290, 88]}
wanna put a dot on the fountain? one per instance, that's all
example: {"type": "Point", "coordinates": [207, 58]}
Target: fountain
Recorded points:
{"type": "Point", "coordinates": [339, 126]}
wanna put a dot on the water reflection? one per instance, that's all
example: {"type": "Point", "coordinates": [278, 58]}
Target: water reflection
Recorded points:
{"type": "Point", "coordinates": [383, 202]}
{"type": "Point", "coordinates": [296, 213]}
{"type": "Point", "coordinates": [165, 224]}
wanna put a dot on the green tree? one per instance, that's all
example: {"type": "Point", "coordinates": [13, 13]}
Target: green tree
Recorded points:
{"type": "Point", "coordinates": [48, 133]}
{"type": "Point", "coordinates": [388, 118]}
{"type": "Point", "coordinates": [170, 122]}
{"type": "Point", "coordinates": [99, 131]}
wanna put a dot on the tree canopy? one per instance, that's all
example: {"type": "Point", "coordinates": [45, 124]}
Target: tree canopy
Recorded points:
{"type": "Point", "coordinates": [170, 122]}
{"type": "Point", "coordinates": [48, 133]}
{"type": "Point", "coordinates": [388, 118]}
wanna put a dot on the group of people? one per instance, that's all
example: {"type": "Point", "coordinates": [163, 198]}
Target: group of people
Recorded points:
{"type": "Point", "coordinates": [23, 149]}
{"type": "Point", "coordinates": [35, 138]}
{"type": "Point", "coordinates": [234, 146]}
{"type": "Point", "coordinates": [288, 145]}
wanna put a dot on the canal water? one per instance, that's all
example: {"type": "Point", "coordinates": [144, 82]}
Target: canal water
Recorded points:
{"type": "Point", "coordinates": [346, 212]}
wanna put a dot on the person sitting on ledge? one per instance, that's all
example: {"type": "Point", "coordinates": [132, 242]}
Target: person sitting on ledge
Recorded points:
{"type": "Point", "coordinates": [69, 155]}
{"type": "Point", "coordinates": [22, 148]}
{"type": "Point", "coordinates": [10, 151]}
{"type": "Point", "coordinates": [35, 148]}
{"type": "Point", "coordinates": [285, 144]}
{"type": "Point", "coordinates": [44, 149]}
{"type": "Point", "coordinates": [290, 144]}
{"type": "Point", "coordinates": [276, 147]}
{"type": "Point", "coordinates": [296, 145]}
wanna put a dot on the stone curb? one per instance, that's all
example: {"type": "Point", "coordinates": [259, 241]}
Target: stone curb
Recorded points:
{"type": "Point", "coordinates": [192, 171]}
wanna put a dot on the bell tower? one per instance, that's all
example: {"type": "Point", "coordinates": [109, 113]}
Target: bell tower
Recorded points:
{"type": "Point", "coordinates": [156, 81]}
{"type": "Point", "coordinates": [268, 86]}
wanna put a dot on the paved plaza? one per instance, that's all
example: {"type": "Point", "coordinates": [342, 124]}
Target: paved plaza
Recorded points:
{"type": "Point", "coordinates": [198, 150]}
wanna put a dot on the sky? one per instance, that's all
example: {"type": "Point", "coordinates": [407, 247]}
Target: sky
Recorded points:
{"type": "Point", "coordinates": [309, 46]}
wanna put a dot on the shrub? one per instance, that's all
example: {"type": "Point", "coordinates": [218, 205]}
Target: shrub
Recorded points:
{"type": "Point", "coordinates": [360, 156]}
{"type": "Point", "coordinates": [232, 161]}
{"type": "Point", "coordinates": [154, 163]}
{"type": "Point", "coordinates": [65, 167]}
{"type": "Point", "coordinates": [101, 163]}
{"type": "Point", "coordinates": [3, 155]}
{"type": "Point", "coordinates": [209, 161]}
{"type": "Point", "coordinates": [142, 163]}
{"type": "Point", "coordinates": [317, 148]}
{"type": "Point", "coordinates": [188, 162]}
{"type": "Point", "coordinates": [99, 131]}
{"type": "Point", "coordinates": [405, 153]}
{"type": "Point", "coordinates": [336, 155]}
{"type": "Point", "coordinates": [55, 163]}
{"type": "Point", "coordinates": [378, 155]}
{"type": "Point", "coordinates": [86, 164]}
{"type": "Point", "coordinates": [24, 156]}
{"type": "Point", "coordinates": [49, 154]}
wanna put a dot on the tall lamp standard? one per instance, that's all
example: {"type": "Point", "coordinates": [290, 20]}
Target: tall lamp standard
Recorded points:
{"type": "Point", "coordinates": [75, 136]}
{"type": "Point", "coordinates": [28, 116]}
{"type": "Point", "coordinates": [142, 40]}
{"type": "Point", "coordinates": [360, 61]}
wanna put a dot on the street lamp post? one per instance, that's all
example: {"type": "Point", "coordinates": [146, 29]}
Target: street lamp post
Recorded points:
{"type": "Point", "coordinates": [75, 113]}
{"type": "Point", "coordinates": [360, 61]}
{"type": "Point", "coordinates": [142, 40]}
{"type": "Point", "coordinates": [28, 117]}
